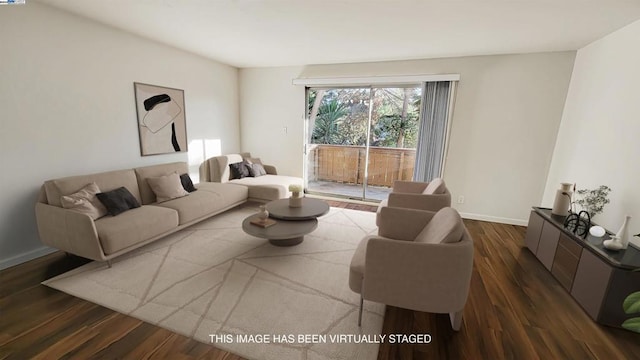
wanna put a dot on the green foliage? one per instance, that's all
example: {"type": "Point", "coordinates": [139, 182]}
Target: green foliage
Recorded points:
{"type": "Point", "coordinates": [631, 305]}
{"type": "Point", "coordinates": [593, 201]}
{"type": "Point", "coordinates": [343, 115]}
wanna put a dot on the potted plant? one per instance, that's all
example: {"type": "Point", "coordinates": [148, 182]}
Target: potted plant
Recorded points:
{"type": "Point", "coordinates": [593, 201]}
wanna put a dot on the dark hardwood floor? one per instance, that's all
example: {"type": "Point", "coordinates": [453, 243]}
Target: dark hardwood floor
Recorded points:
{"type": "Point", "coordinates": [516, 310]}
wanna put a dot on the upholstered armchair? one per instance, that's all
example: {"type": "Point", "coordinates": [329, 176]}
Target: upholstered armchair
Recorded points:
{"type": "Point", "coordinates": [420, 260]}
{"type": "Point", "coordinates": [431, 196]}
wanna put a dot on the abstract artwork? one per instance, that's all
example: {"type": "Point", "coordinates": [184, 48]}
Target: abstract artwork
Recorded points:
{"type": "Point", "coordinates": [161, 119]}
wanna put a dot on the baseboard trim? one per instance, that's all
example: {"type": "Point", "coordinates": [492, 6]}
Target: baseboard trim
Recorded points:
{"type": "Point", "coordinates": [27, 256]}
{"type": "Point", "coordinates": [495, 219]}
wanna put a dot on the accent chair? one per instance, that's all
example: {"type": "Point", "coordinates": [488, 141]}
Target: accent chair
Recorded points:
{"type": "Point", "coordinates": [430, 196]}
{"type": "Point", "coordinates": [420, 260]}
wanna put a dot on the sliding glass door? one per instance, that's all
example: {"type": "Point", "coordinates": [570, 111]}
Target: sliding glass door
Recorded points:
{"type": "Point", "coordinates": [360, 139]}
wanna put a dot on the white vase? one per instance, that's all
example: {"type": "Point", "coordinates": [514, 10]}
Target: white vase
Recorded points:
{"type": "Point", "coordinates": [623, 233]}
{"type": "Point", "coordinates": [613, 243]}
{"type": "Point", "coordinates": [295, 201]}
{"type": "Point", "coordinates": [562, 202]}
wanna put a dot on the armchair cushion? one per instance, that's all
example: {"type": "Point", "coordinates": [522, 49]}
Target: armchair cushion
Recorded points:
{"type": "Point", "coordinates": [446, 226]}
{"type": "Point", "coordinates": [436, 186]}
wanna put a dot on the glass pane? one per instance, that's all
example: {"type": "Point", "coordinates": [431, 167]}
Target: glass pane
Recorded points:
{"type": "Point", "coordinates": [393, 139]}
{"type": "Point", "coordinates": [336, 143]}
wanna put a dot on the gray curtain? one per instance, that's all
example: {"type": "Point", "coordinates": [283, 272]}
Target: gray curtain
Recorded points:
{"type": "Point", "coordinates": [434, 114]}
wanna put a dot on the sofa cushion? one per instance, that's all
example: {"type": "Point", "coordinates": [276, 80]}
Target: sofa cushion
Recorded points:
{"type": "Point", "coordinates": [134, 226]}
{"type": "Point", "coordinates": [142, 173]}
{"type": "Point", "coordinates": [167, 187]}
{"type": "Point", "coordinates": [118, 201]}
{"type": "Point", "coordinates": [194, 206]}
{"type": "Point", "coordinates": [268, 187]}
{"type": "Point", "coordinates": [54, 189]}
{"type": "Point", "coordinates": [228, 193]}
{"type": "Point", "coordinates": [436, 186]}
{"type": "Point", "coordinates": [446, 226]}
{"type": "Point", "coordinates": [85, 202]}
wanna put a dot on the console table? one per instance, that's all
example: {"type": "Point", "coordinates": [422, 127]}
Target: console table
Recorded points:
{"type": "Point", "coordinates": [597, 278]}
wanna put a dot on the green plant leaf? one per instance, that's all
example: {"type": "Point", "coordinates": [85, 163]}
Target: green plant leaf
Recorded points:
{"type": "Point", "coordinates": [631, 304]}
{"type": "Point", "coordinates": [632, 324]}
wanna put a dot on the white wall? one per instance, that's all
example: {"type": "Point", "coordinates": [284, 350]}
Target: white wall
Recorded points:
{"type": "Point", "coordinates": [67, 102]}
{"type": "Point", "coordinates": [598, 141]}
{"type": "Point", "coordinates": [507, 114]}
{"type": "Point", "coordinates": [269, 104]}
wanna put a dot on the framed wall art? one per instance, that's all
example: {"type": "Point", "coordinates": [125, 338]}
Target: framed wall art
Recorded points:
{"type": "Point", "coordinates": [161, 119]}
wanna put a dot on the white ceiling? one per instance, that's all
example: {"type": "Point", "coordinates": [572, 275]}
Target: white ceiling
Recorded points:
{"type": "Point", "coordinates": [256, 33]}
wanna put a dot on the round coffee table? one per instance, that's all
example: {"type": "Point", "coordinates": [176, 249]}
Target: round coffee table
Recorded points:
{"type": "Point", "coordinates": [292, 224]}
{"type": "Point", "coordinates": [310, 209]}
{"type": "Point", "coordinates": [283, 232]}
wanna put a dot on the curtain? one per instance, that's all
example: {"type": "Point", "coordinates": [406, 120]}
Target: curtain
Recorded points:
{"type": "Point", "coordinates": [434, 116]}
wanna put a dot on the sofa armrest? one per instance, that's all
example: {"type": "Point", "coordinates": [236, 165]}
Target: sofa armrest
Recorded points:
{"type": "Point", "coordinates": [419, 276]}
{"type": "Point", "coordinates": [69, 231]}
{"type": "Point", "coordinates": [415, 187]}
{"type": "Point", "coordinates": [270, 169]}
{"type": "Point", "coordinates": [402, 224]}
{"type": "Point", "coordinates": [433, 202]}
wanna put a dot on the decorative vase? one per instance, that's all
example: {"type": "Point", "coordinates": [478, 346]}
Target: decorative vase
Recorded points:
{"type": "Point", "coordinates": [263, 214]}
{"type": "Point", "coordinates": [562, 203]}
{"type": "Point", "coordinates": [623, 233]}
{"type": "Point", "coordinates": [295, 201]}
{"type": "Point", "coordinates": [613, 244]}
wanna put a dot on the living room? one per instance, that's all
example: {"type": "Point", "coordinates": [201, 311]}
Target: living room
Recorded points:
{"type": "Point", "coordinates": [523, 122]}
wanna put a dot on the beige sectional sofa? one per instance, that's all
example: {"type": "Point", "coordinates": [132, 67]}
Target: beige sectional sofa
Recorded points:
{"type": "Point", "coordinates": [262, 188]}
{"type": "Point", "coordinates": [110, 236]}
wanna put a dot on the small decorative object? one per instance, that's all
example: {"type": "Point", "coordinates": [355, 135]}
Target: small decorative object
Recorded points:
{"type": "Point", "coordinates": [578, 223]}
{"type": "Point", "coordinates": [263, 218]}
{"type": "Point", "coordinates": [613, 244]}
{"type": "Point", "coordinates": [597, 231]}
{"type": "Point", "coordinates": [562, 203]}
{"type": "Point", "coordinates": [623, 233]}
{"type": "Point", "coordinates": [593, 201]}
{"type": "Point", "coordinates": [263, 214]}
{"type": "Point", "coordinates": [295, 200]}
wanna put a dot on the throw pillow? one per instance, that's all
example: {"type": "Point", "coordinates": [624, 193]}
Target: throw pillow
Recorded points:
{"type": "Point", "coordinates": [167, 187]}
{"type": "Point", "coordinates": [238, 170]}
{"type": "Point", "coordinates": [118, 201]}
{"type": "Point", "coordinates": [436, 186]}
{"type": "Point", "coordinates": [256, 170]}
{"type": "Point", "coordinates": [446, 226]}
{"type": "Point", "coordinates": [254, 161]}
{"type": "Point", "coordinates": [187, 184]}
{"type": "Point", "coordinates": [85, 201]}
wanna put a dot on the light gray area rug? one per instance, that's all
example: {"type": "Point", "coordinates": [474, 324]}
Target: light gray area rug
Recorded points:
{"type": "Point", "coordinates": [218, 285]}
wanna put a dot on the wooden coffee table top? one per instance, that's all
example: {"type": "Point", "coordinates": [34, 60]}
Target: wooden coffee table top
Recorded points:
{"type": "Point", "coordinates": [310, 209]}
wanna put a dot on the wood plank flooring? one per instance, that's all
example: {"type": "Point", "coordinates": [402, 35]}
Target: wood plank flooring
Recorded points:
{"type": "Point", "coordinates": [516, 310]}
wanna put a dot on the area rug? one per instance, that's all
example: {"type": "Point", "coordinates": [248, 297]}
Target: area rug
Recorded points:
{"type": "Point", "coordinates": [218, 285]}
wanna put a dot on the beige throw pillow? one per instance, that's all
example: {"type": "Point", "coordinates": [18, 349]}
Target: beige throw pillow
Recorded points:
{"type": "Point", "coordinates": [446, 226]}
{"type": "Point", "coordinates": [167, 187]}
{"type": "Point", "coordinates": [436, 186]}
{"type": "Point", "coordinates": [85, 201]}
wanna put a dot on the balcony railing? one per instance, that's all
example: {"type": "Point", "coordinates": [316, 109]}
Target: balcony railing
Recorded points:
{"type": "Point", "coordinates": [345, 164]}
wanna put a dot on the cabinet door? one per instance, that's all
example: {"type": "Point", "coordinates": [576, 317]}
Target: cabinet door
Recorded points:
{"type": "Point", "coordinates": [566, 261]}
{"type": "Point", "coordinates": [534, 229]}
{"type": "Point", "coordinates": [590, 283]}
{"type": "Point", "coordinates": [547, 245]}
